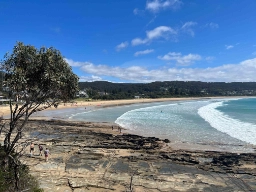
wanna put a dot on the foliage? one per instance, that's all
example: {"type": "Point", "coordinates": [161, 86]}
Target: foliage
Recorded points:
{"type": "Point", "coordinates": [166, 89]}
{"type": "Point", "coordinates": [7, 178]}
{"type": "Point", "coordinates": [38, 75]}
{"type": "Point", "coordinates": [1, 80]}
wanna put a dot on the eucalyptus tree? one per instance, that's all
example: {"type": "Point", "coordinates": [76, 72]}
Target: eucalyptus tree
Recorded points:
{"type": "Point", "coordinates": [1, 80]}
{"type": "Point", "coordinates": [37, 79]}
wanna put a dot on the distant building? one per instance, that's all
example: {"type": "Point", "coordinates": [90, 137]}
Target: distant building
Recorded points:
{"type": "Point", "coordinates": [2, 100]}
{"type": "Point", "coordinates": [82, 94]}
{"type": "Point", "coordinates": [103, 93]}
{"type": "Point", "coordinates": [136, 97]}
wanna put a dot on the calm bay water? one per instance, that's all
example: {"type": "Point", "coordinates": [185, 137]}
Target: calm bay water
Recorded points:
{"type": "Point", "coordinates": [220, 122]}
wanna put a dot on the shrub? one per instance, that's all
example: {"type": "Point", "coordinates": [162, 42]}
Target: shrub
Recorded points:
{"type": "Point", "coordinates": [7, 178]}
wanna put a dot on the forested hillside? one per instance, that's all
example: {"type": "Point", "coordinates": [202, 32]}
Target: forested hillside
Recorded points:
{"type": "Point", "coordinates": [107, 90]}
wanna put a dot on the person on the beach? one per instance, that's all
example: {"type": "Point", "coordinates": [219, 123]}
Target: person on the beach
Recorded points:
{"type": "Point", "coordinates": [46, 154]}
{"type": "Point", "coordinates": [112, 127]}
{"type": "Point", "coordinates": [40, 149]}
{"type": "Point", "coordinates": [32, 149]}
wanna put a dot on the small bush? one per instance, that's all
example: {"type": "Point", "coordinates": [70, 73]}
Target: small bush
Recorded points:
{"type": "Point", "coordinates": [7, 178]}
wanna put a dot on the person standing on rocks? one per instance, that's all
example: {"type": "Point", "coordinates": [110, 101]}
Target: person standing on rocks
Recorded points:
{"type": "Point", "coordinates": [40, 149]}
{"type": "Point", "coordinates": [32, 149]}
{"type": "Point", "coordinates": [46, 154]}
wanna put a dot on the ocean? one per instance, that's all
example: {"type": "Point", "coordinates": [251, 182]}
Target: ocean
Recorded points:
{"type": "Point", "coordinates": [226, 124]}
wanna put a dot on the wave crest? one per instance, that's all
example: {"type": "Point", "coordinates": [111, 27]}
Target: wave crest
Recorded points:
{"type": "Point", "coordinates": [237, 129]}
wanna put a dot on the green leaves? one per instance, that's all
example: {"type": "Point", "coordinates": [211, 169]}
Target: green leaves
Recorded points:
{"type": "Point", "coordinates": [39, 74]}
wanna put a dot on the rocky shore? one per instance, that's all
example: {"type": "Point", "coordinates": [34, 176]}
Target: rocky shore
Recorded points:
{"type": "Point", "coordinates": [93, 157]}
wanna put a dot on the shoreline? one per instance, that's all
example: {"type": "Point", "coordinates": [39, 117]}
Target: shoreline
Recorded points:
{"type": "Point", "coordinates": [4, 109]}
{"type": "Point", "coordinates": [175, 144]}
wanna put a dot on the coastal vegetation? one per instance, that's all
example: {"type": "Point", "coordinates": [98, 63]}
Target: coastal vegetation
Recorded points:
{"type": "Point", "coordinates": [167, 89]}
{"type": "Point", "coordinates": [26, 181]}
{"type": "Point", "coordinates": [36, 79]}
{"type": "Point", "coordinates": [105, 90]}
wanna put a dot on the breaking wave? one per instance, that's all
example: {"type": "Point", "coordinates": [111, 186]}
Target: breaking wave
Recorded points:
{"type": "Point", "coordinates": [243, 131]}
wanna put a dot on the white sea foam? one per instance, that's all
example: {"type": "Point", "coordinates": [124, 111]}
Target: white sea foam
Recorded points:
{"type": "Point", "coordinates": [71, 116]}
{"type": "Point", "coordinates": [243, 131]}
{"type": "Point", "coordinates": [145, 120]}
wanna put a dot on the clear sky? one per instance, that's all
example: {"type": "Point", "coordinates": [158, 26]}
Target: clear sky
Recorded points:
{"type": "Point", "coordinates": [139, 40]}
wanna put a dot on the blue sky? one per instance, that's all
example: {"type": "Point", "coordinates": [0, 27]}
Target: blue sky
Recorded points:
{"type": "Point", "coordinates": [139, 40]}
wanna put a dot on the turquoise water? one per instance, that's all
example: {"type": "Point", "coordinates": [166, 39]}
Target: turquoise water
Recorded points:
{"type": "Point", "coordinates": [235, 118]}
{"type": "Point", "coordinates": [219, 122]}
{"type": "Point", "coordinates": [243, 109]}
{"type": "Point", "coordinates": [181, 121]}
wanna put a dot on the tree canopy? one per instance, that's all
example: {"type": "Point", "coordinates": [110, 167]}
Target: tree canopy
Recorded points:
{"type": "Point", "coordinates": [38, 75]}
{"type": "Point", "coordinates": [166, 89]}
